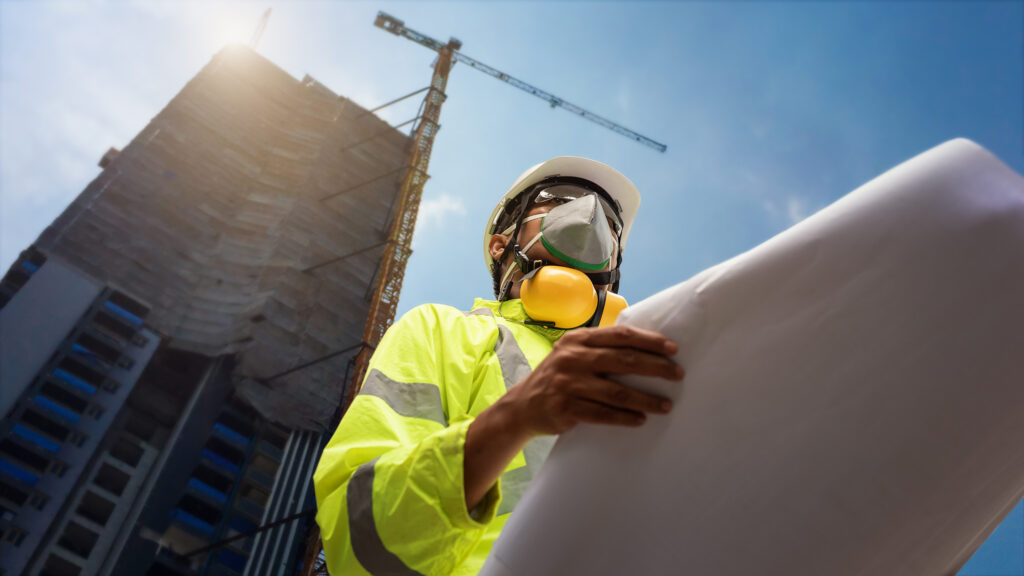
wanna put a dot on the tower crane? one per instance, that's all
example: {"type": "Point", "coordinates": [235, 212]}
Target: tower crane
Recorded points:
{"type": "Point", "coordinates": [398, 246]}
{"type": "Point", "coordinates": [398, 28]}
{"type": "Point", "coordinates": [258, 32]}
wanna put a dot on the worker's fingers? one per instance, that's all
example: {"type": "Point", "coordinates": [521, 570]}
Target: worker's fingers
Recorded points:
{"type": "Point", "coordinates": [620, 396]}
{"type": "Point", "coordinates": [627, 336]}
{"type": "Point", "coordinates": [596, 413]}
{"type": "Point", "coordinates": [628, 361]}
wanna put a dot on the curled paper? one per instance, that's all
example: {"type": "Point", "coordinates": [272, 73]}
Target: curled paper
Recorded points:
{"type": "Point", "coordinates": [854, 399]}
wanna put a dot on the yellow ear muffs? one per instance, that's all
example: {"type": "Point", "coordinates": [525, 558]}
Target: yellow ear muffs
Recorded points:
{"type": "Point", "coordinates": [566, 298]}
{"type": "Point", "coordinates": [613, 304]}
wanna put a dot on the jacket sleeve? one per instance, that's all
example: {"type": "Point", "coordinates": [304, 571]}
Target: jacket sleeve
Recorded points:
{"type": "Point", "coordinates": [389, 485]}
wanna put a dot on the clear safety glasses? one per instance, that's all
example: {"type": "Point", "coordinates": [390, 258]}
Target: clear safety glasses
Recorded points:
{"type": "Point", "coordinates": [562, 193]}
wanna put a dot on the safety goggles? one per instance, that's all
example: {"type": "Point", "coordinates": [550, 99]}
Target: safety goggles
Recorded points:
{"type": "Point", "coordinates": [561, 193]}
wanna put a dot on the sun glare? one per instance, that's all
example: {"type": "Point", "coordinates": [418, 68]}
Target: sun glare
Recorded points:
{"type": "Point", "coordinates": [234, 31]}
{"type": "Point", "coordinates": [230, 24]}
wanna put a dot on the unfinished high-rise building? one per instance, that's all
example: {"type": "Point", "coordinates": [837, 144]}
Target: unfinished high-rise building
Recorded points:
{"type": "Point", "coordinates": [175, 344]}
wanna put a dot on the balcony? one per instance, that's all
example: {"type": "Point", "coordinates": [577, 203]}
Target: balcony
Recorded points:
{"type": "Point", "coordinates": [96, 349]}
{"type": "Point", "coordinates": [197, 513]}
{"type": "Point", "coordinates": [18, 473]}
{"type": "Point", "coordinates": [45, 423]}
{"type": "Point", "coordinates": [105, 338]}
{"type": "Point", "coordinates": [112, 480]}
{"type": "Point", "coordinates": [78, 539]}
{"type": "Point", "coordinates": [123, 314]}
{"type": "Point", "coordinates": [113, 327]}
{"type": "Point", "coordinates": [90, 357]}
{"type": "Point", "coordinates": [214, 477]}
{"type": "Point", "coordinates": [74, 381]}
{"type": "Point", "coordinates": [95, 508]}
{"type": "Point", "coordinates": [193, 524]}
{"type": "Point", "coordinates": [219, 461]}
{"type": "Point", "coordinates": [36, 438]}
{"type": "Point", "coordinates": [230, 435]}
{"type": "Point", "coordinates": [25, 455]}
{"type": "Point", "coordinates": [205, 492]}
{"type": "Point", "coordinates": [127, 451]}
{"type": "Point", "coordinates": [14, 492]}
{"type": "Point", "coordinates": [61, 563]}
{"type": "Point", "coordinates": [62, 412]}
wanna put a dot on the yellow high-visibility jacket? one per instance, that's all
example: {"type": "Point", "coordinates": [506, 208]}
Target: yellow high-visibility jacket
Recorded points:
{"type": "Point", "coordinates": [389, 485]}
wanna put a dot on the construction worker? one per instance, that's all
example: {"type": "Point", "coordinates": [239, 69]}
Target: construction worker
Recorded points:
{"type": "Point", "coordinates": [459, 409]}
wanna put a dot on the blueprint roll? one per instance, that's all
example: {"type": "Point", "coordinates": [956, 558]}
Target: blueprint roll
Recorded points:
{"type": "Point", "coordinates": [853, 405]}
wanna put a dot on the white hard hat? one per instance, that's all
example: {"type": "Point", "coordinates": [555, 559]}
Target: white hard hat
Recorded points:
{"type": "Point", "coordinates": [609, 179]}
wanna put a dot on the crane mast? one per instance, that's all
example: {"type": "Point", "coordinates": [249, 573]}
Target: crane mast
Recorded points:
{"type": "Point", "coordinates": [398, 248]}
{"type": "Point", "coordinates": [391, 272]}
{"type": "Point", "coordinates": [260, 28]}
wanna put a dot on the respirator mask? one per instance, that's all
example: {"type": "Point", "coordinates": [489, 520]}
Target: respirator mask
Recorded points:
{"type": "Point", "coordinates": [583, 230]}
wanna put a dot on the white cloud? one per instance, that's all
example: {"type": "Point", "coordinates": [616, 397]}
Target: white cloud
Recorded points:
{"type": "Point", "coordinates": [792, 209]}
{"type": "Point", "coordinates": [796, 209]}
{"type": "Point", "coordinates": [437, 213]}
{"type": "Point", "coordinates": [434, 211]}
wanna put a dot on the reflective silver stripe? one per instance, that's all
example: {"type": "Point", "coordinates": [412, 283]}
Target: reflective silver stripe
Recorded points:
{"type": "Point", "coordinates": [515, 482]}
{"type": "Point", "coordinates": [514, 366]}
{"type": "Point", "coordinates": [412, 400]}
{"type": "Point", "coordinates": [366, 542]}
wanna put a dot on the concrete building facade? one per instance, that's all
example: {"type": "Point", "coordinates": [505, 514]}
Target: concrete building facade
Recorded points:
{"type": "Point", "coordinates": [174, 347]}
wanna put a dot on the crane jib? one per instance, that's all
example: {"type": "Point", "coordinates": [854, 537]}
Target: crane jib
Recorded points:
{"type": "Point", "coordinates": [397, 27]}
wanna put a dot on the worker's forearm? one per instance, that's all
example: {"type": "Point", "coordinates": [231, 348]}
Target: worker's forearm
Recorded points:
{"type": "Point", "coordinates": [492, 441]}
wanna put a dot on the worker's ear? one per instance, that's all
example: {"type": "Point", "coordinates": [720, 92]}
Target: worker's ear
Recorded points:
{"type": "Point", "coordinates": [497, 246]}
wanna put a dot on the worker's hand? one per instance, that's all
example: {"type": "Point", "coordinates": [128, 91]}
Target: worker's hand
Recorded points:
{"type": "Point", "coordinates": [568, 387]}
{"type": "Point", "coordinates": [571, 385]}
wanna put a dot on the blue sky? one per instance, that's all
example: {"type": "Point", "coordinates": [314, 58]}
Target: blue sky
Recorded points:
{"type": "Point", "coordinates": [770, 111]}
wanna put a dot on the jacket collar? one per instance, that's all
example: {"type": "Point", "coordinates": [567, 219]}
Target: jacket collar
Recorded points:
{"type": "Point", "coordinates": [513, 311]}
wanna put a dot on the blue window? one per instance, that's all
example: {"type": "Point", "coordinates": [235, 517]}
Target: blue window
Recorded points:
{"type": "Point", "coordinates": [219, 460]}
{"type": "Point", "coordinates": [29, 267]}
{"type": "Point", "coordinates": [88, 354]}
{"type": "Point", "coordinates": [231, 434]}
{"type": "Point", "coordinates": [192, 521]}
{"type": "Point", "coordinates": [123, 313]}
{"type": "Point", "coordinates": [18, 472]}
{"type": "Point", "coordinates": [36, 438]}
{"type": "Point", "coordinates": [208, 490]}
{"type": "Point", "coordinates": [75, 381]}
{"type": "Point", "coordinates": [44, 402]}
